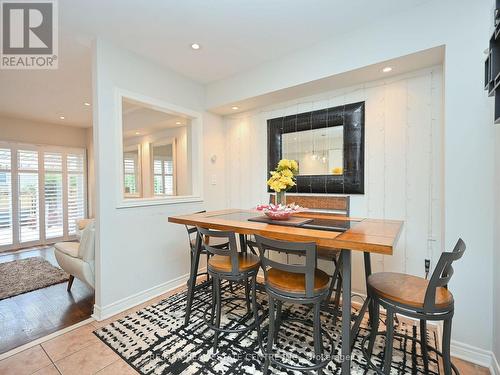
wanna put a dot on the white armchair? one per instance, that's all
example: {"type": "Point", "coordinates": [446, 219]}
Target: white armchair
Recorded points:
{"type": "Point", "coordinates": [78, 258]}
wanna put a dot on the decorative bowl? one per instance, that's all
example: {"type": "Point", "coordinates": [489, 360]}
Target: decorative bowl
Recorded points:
{"type": "Point", "coordinates": [279, 211]}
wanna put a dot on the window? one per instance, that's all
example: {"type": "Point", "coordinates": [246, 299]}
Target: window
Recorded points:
{"type": "Point", "coordinates": [76, 190]}
{"type": "Point", "coordinates": [6, 220]}
{"type": "Point", "coordinates": [131, 171]}
{"type": "Point", "coordinates": [28, 196]}
{"type": "Point", "coordinates": [163, 169]}
{"type": "Point", "coordinates": [158, 151]}
{"type": "Point", "coordinates": [53, 189]}
{"type": "Point", "coordinates": [42, 193]}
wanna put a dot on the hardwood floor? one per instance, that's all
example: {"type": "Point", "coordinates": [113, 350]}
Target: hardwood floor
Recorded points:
{"type": "Point", "coordinates": [469, 368]}
{"type": "Point", "coordinates": [35, 314]}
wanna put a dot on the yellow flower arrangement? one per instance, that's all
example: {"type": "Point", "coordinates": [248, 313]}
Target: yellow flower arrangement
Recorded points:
{"type": "Point", "coordinates": [337, 171]}
{"type": "Point", "coordinates": [283, 178]}
{"type": "Point", "coordinates": [285, 164]}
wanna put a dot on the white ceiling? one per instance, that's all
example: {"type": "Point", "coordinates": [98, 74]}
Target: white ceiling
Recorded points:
{"type": "Point", "coordinates": [44, 95]}
{"type": "Point", "coordinates": [403, 64]}
{"type": "Point", "coordinates": [234, 35]}
{"type": "Point", "coordinates": [145, 121]}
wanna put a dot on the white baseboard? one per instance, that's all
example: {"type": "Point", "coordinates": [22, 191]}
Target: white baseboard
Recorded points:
{"type": "Point", "coordinates": [474, 355]}
{"type": "Point", "coordinates": [495, 367]}
{"type": "Point", "coordinates": [101, 313]}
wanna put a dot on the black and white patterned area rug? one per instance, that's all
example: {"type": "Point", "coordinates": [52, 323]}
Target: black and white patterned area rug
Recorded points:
{"type": "Point", "coordinates": [154, 341]}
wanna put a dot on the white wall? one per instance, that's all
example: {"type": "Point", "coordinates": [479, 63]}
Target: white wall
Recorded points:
{"type": "Point", "coordinates": [139, 253]}
{"type": "Point", "coordinates": [29, 131]}
{"type": "Point", "coordinates": [496, 254]}
{"type": "Point", "coordinates": [464, 27]}
{"type": "Point", "coordinates": [216, 179]}
{"type": "Point", "coordinates": [403, 161]}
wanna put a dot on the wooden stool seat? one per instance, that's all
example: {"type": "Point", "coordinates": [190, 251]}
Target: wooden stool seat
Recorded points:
{"type": "Point", "coordinates": [406, 289]}
{"type": "Point", "coordinates": [222, 263]}
{"type": "Point", "coordinates": [296, 282]}
{"type": "Point", "coordinates": [327, 253]}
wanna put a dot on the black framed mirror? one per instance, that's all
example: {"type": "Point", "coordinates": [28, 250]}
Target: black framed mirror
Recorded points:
{"type": "Point", "coordinates": [328, 145]}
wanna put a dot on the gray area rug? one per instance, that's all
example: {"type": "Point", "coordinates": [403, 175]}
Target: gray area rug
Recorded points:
{"type": "Point", "coordinates": [154, 341]}
{"type": "Point", "coordinates": [25, 275]}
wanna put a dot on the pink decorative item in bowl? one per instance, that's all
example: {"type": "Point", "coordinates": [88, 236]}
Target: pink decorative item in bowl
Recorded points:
{"type": "Point", "coordinates": [279, 211]}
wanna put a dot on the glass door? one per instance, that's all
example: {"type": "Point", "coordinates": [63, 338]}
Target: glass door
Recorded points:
{"type": "Point", "coordinates": [42, 194]}
{"type": "Point", "coordinates": [53, 190]}
{"type": "Point", "coordinates": [6, 220]}
{"type": "Point", "coordinates": [28, 196]}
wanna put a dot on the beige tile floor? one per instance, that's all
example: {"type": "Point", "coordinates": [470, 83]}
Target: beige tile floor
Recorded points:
{"type": "Point", "coordinates": [79, 352]}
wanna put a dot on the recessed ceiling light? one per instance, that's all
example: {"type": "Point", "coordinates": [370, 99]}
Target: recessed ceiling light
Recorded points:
{"type": "Point", "coordinates": [137, 133]}
{"type": "Point", "coordinates": [178, 123]}
{"type": "Point", "coordinates": [234, 107]}
{"type": "Point", "coordinates": [62, 117]}
{"type": "Point", "coordinates": [195, 46]}
{"type": "Point", "coordinates": [387, 69]}
{"type": "Point", "coordinates": [86, 104]}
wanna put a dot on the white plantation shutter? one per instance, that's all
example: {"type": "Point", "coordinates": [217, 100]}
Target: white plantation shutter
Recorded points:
{"type": "Point", "coordinates": [5, 159]}
{"type": "Point", "coordinates": [169, 185]}
{"type": "Point", "coordinates": [158, 178]}
{"type": "Point", "coordinates": [75, 163]}
{"type": "Point", "coordinates": [53, 189]}
{"type": "Point", "coordinates": [52, 162]}
{"type": "Point", "coordinates": [6, 220]}
{"type": "Point", "coordinates": [130, 173]}
{"type": "Point", "coordinates": [42, 193]}
{"type": "Point", "coordinates": [163, 176]}
{"type": "Point", "coordinates": [27, 160]}
{"type": "Point", "coordinates": [157, 166]}
{"type": "Point", "coordinates": [129, 165]}
{"type": "Point", "coordinates": [76, 190]}
{"type": "Point", "coordinates": [28, 196]}
{"type": "Point", "coordinates": [169, 176]}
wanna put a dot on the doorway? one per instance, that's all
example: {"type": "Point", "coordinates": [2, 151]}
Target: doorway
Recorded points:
{"type": "Point", "coordinates": [42, 194]}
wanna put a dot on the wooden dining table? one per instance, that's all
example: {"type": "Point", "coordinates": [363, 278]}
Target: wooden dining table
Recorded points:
{"type": "Point", "coordinates": [326, 230]}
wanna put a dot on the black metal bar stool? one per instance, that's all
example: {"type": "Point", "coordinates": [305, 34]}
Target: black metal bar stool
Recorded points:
{"type": "Point", "coordinates": [417, 298]}
{"type": "Point", "coordinates": [196, 250]}
{"type": "Point", "coordinates": [331, 208]}
{"type": "Point", "coordinates": [298, 284]}
{"type": "Point", "coordinates": [231, 265]}
{"type": "Point", "coordinates": [215, 242]}
{"type": "Point", "coordinates": [336, 278]}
